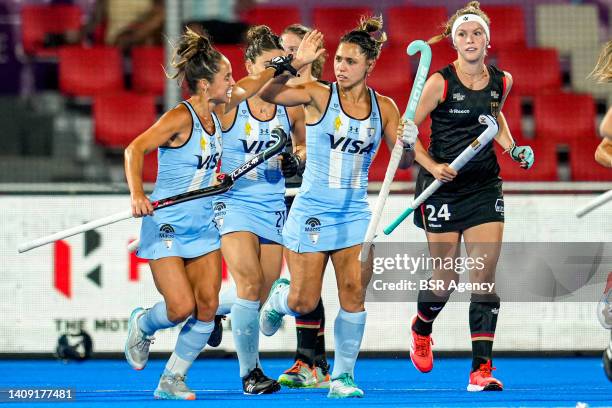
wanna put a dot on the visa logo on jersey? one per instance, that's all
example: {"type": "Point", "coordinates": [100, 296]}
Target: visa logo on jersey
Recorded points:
{"type": "Point", "coordinates": [349, 145]}
{"type": "Point", "coordinates": [209, 162]}
{"type": "Point", "coordinates": [256, 146]}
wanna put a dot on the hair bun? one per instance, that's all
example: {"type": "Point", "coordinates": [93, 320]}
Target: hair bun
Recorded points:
{"type": "Point", "coordinates": [257, 32]}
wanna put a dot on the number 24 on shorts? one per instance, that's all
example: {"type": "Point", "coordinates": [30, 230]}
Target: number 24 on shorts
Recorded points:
{"type": "Point", "coordinates": [443, 212]}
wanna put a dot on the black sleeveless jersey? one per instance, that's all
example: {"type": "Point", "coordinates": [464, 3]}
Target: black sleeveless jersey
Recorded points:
{"type": "Point", "coordinates": [455, 125]}
{"type": "Point", "coordinates": [296, 181]}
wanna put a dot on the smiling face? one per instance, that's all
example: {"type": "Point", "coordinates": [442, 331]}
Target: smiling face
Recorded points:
{"type": "Point", "coordinates": [220, 89]}
{"type": "Point", "coordinates": [351, 65]}
{"type": "Point", "coordinates": [471, 41]}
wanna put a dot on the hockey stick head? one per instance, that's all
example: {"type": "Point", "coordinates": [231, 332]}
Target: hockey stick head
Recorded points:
{"type": "Point", "coordinates": [421, 75]}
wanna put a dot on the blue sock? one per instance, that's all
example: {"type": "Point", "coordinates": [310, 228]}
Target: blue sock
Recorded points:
{"type": "Point", "coordinates": [226, 300]}
{"type": "Point", "coordinates": [191, 341]}
{"type": "Point", "coordinates": [348, 333]}
{"type": "Point", "coordinates": [155, 318]}
{"type": "Point", "coordinates": [279, 302]}
{"type": "Point", "coordinates": [245, 327]}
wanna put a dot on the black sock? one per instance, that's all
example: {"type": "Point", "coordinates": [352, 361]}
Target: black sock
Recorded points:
{"type": "Point", "coordinates": [320, 357]}
{"type": "Point", "coordinates": [307, 327]}
{"type": "Point", "coordinates": [483, 321]}
{"type": "Point", "coordinates": [429, 307]}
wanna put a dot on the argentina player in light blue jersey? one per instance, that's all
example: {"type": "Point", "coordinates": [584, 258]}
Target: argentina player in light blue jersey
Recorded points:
{"type": "Point", "coordinates": [181, 242]}
{"type": "Point", "coordinates": [345, 123]}
{"type": "Point", "coordinates": [250, 216]}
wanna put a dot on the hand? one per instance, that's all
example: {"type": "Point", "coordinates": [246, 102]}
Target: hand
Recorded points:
{"type": "Point", "coordinates": [407, 132]}
{"type": "Point", "coordinates": [444, 172]}
{"type": "Point", "coordinates": [308, 51]}
{"type": "Point", "coordinates": [281, 64]}
{"type": "Point", "coordinates": [141, 205]}
{"type": "Point", "coordinates": [523, 155]}
{"type": "Point", "coordinates": [291, 164]}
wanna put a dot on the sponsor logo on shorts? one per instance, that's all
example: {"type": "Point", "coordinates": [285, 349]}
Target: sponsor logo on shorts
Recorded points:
{"type": "Point", "coordinates": [499, 205]}
{"type": "Point", "coordinates": [166, 233]}
{"type": "Point", "coordinates": [219, 209]}
{"type": "Point", "coordinates": [313, 228]}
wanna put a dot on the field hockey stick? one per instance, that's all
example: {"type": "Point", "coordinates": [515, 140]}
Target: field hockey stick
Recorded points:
{"type": "Point", "coordinates": [593, 204]}
{"type": "Point", "coordinates": [226, 182]}
{"type": "Point", "coordinates": [466, 155]}
{"type": "Point", "coordinates": [398, 149]}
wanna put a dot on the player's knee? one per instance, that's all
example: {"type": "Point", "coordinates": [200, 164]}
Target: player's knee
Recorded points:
{"type": "Point", "coordinates": [302, 304]}
{"type": "Point", "coordinates": [249, 290]}
{"type": "Point", "coordinates": [206, 307]}
{"type": "Point", "coordinates": [178, 311]}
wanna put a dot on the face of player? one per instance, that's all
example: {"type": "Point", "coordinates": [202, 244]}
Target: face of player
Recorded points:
{"type": "Point", "coordinates": [291, 43]}
{"type": "Point", "coordinates": [220, 89]}
{"type": "Point", "coordinates": [351, 65]}
{"type": "Point", "coordinates": [471, 41]}
{"type": "Point", "coordinates": [260, 62]}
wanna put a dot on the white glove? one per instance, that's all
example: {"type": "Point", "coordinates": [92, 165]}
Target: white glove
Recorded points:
{"type": "Point", "coordinates": [407, 132]}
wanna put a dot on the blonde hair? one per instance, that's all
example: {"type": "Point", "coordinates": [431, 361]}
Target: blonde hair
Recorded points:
{"type": "Point", "coordinates": [362, 36]}
{"type": "Point", "coordinates": [603, 68]}
{"type": "Point", "coordinates": [473, 7]}
{"type": "Point", "coordinates": [194, 59]}
{"type": "Point", "coordinates": [300, 31]}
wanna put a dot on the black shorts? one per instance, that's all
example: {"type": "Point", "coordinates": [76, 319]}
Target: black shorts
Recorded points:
{"type": "Point", "coordinates": [456, 213]}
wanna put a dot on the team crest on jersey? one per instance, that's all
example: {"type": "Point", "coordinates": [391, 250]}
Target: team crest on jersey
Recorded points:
{"type": "Point", "coordinates": [313, 229]}
{"type": "Point", "coordinates": [166, 233]}
{"type": "Point", "coordinates": [494, 95]}
{"type": "Point", "coordinates": [495, 108]}
{"type": "Point", "coordinates": [203, 143]}
{"type": "Point", "coordinates": [219, 209]}
{"type": "Point", "coordinates": [458, 97]}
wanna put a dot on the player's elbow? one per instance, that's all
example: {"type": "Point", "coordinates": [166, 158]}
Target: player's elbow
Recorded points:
{"type": "Point", "coordinates": [601, 157]}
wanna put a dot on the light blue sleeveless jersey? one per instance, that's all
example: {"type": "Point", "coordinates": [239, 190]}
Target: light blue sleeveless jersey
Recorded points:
{"type": "Point", "coordinates": [256, 202]}
{"type": "Point", "coordinates": [331, 209]}
{"type": "Point", "coordinates": [187, 229]}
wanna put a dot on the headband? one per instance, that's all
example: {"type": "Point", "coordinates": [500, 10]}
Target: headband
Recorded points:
{"type": "Point", "coordinates": [470, 17]}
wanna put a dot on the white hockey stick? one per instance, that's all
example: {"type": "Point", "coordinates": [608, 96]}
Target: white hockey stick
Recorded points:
{"type": "Point", "coordinates": [595, 203]}
{"type": "Point", "coordinates": [398, 149]}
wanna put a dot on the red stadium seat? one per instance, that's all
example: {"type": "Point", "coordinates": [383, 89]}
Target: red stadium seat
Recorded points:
{"type": "Point", "coordinates": [334, 22]}
{"type": "Point", "coordinates": [543, 169]}
{"type": "Point", "coordinates": [408, 23]}
{"type": "Point", "coordinates": [583, 166]}
{"type": "Point", "coordinates": [512, 113]}
{"type": "Point", "coordinates": [562, 117]}
{"type": "Point", "coordinates": [147, 70]}
{"type": "Point", "coordinates": [120, 117]}
{"type": "Point", "coordinates": [507, 27]}
{"type": "Point", "coordinates": [392, 73]}
{"type": "Point", "coordinates": [277, 18]}
{"type": "Point", "coordinates": [149, 169]}
{"type": "Point", "coordinates": [378, 169]}
{"type": "Point", "coordinates": [442, 54]}
{"type": "Point", "coordinates": [90, 71]}
{"type": "Point", "coordinates": [39, 20]}
{"type": "Point", "coordinates": [533, 70]}
{"type": "Point", "coordinates": [235, 54]}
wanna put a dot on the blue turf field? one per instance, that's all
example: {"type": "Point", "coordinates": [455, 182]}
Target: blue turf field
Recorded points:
{"type": "Point", "coordinates": [541, 382]}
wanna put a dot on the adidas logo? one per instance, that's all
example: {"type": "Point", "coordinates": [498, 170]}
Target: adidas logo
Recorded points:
{"type": "Point", "coordinates": [495, 310]}
{"type": "Point", "coordinates": [250, 388]}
